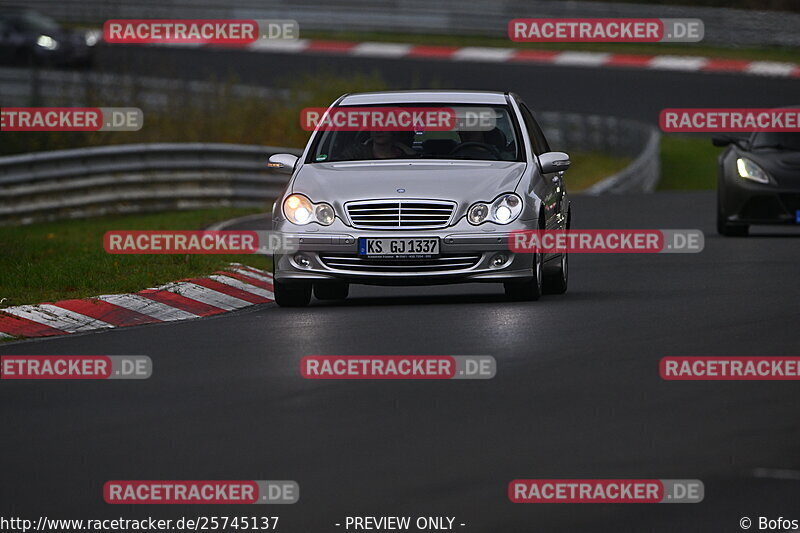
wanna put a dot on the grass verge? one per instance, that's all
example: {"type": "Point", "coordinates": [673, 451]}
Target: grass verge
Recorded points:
{"type": "Point", "coordinates": [63, 260]}
{"type": "Point", "coordinates": [688, 163]}
{"type": "Point", "coordinates": [590, 167]}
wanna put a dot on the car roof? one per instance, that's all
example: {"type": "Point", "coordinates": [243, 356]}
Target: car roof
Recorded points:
{"type": "Point", "coordinates": [425, 97]}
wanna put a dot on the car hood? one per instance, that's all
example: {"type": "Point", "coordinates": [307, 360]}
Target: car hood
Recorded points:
{"type": "Point", "coordinates": [459, 181]}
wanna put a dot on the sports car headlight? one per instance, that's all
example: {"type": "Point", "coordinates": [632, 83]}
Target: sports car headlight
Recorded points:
{"type": "Point", "coordinates": [301, 211]}
{"type": "Point", "coordinates": [503, 210]}
{"type": "Point", "coordinates": [749, 170]}
{"type": "Point", "coordinates": [47, 42]}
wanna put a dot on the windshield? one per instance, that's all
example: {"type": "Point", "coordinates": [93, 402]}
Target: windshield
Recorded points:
{"type": "Point", "coordinates": [494, 139]}
{"type": "Point", "coordinates": [785, 140]}
{"type": "Point", "coordinates": [32, 21]}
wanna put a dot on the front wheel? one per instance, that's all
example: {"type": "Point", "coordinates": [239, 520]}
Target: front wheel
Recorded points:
{"type": "Point", "coordinates": [556, 282]}
{"type": "Point", "coordinates": [527, 291]}
{"type": "Point", "coordinates": [731, 230]}
{"type": "Point", "coordinates": [292, 294]}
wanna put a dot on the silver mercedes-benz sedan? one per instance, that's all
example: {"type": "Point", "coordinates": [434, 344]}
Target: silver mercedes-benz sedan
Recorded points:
{"type": "Point", "coordinates": [422, 204]}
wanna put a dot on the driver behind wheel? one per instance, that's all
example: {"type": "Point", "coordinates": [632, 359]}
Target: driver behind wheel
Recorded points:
{"type": "Point", "coordinates": [380, 145]}
{"type": "Point", "coordinates": [475, 145]}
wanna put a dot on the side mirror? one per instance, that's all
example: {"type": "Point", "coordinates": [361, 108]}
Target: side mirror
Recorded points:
{"type": "Point", "coordinates": [283, 163]}
{"type": "Point", "coordinates": [554, 162]}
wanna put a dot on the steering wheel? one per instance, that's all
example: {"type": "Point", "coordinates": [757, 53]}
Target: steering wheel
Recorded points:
{"type": "Point", "coordinates": [474, 144]}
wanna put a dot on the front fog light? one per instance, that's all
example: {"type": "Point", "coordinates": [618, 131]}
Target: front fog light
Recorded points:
{"type": "Point", "coordinates": [302, 261]}
{"type": "Point", "coordinates": [499, 260]}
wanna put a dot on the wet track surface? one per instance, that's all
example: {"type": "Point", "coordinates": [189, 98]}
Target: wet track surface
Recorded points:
{"type": "Point", "coordinates": [577, 395]}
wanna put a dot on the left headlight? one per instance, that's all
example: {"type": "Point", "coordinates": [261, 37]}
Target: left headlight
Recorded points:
{"type": "Point", "coordinates": [749, 170]}
{"type": "Point", "coordinates": [503, 210]}
{"type": "Point", "coordinates": [299, 210]}
{"type": "Point", "coordinates": [47, 42]}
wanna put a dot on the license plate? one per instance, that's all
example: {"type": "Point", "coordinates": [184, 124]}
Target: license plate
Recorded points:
{"type": "Point", "coordinates": [398, 248]}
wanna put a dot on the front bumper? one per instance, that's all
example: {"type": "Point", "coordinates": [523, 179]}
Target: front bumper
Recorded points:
{"type": "Point", "coordinates": [747, 202]}
{"type": "Point", "coordinates": [761, 204]}
{"type": "Point", "coordinates": [464, 257]}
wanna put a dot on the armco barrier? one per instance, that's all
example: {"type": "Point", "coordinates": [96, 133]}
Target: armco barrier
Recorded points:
{"type": "Point", "coordinates": [133, 178]}
{"type": "Point", "coordinates": [730, 27]}
{"type": "Point", "coordinates": [157, 177]}
{"type": "Point", "coordinates": [641, 175]}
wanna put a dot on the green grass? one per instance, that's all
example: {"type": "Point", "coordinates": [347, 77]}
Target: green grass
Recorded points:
{"type": "Point", "coordinates": [590, 167]}
{"type": "Point", "coordinates": [688, 163]}
{"type": "Point", "coordinates": [62, 260]}
{"type": "Point", "coordinates": [220, 116]}
{"type": "Point", "coordinates": [693, 49]}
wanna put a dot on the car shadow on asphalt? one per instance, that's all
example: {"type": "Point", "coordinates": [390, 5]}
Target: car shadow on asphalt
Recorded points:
{"type": "Point", "coordinates": [449, 299]}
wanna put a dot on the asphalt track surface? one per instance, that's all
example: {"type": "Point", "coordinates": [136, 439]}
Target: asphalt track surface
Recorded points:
{"type": "Point", "coordinates": [577, 395]}
{"type": "Point", "coordinates": [623, 92]}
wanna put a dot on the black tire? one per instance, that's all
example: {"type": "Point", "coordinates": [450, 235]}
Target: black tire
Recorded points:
{"type": "Point", "coordinates": [723, 226]}
{"type": "Point", "coordinates": [527, 291]}
{"type": "Point", "coordinates": [292, 294]}
{"type": "Point", "coordinates": [556, 283]}
{"type": "Point", "coordinates": [331, 291]}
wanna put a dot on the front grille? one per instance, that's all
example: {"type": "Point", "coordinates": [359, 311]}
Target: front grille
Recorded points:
{"type": "Point", "coordinates": [443, 263]}
{"type": "Point", "coordinates": [400, 214]}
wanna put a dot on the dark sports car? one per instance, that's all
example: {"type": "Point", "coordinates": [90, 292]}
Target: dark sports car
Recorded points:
{"type": "Point", "coordinates": [28, 37]}
{"type": "Point", "coordinates": [759, 181]}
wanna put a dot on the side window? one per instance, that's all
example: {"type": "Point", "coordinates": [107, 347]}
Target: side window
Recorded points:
{"type": "Point", "coordinates": [540, 145]}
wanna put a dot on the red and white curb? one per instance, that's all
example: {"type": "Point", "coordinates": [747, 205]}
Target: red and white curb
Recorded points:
{"type": "Point", "coordinates": [521, 55]}
{"type": "Point", "coordinates": [237, 287]}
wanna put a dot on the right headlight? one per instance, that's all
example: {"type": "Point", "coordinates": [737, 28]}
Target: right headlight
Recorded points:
{"type": "Point", "coordinates": [749, 170]}
{"type": "Point", "coordinates": [299, 210]}
{"type": "Point", "coordinates": [503, 210]}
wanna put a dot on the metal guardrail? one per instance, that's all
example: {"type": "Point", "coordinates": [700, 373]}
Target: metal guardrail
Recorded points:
{"type": "Point", "coordinates": [726, 26]}
{"type": "Point", "coordinates": [87, 182]}
{"type": "Point", "coordinates": [21, 87]}
{"type": "Point", "coordinates": [133, 178]}
{"type": "Point", "coordinates": [151, 177]}
{"type": "Point", "coordinates": [641, 175]}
